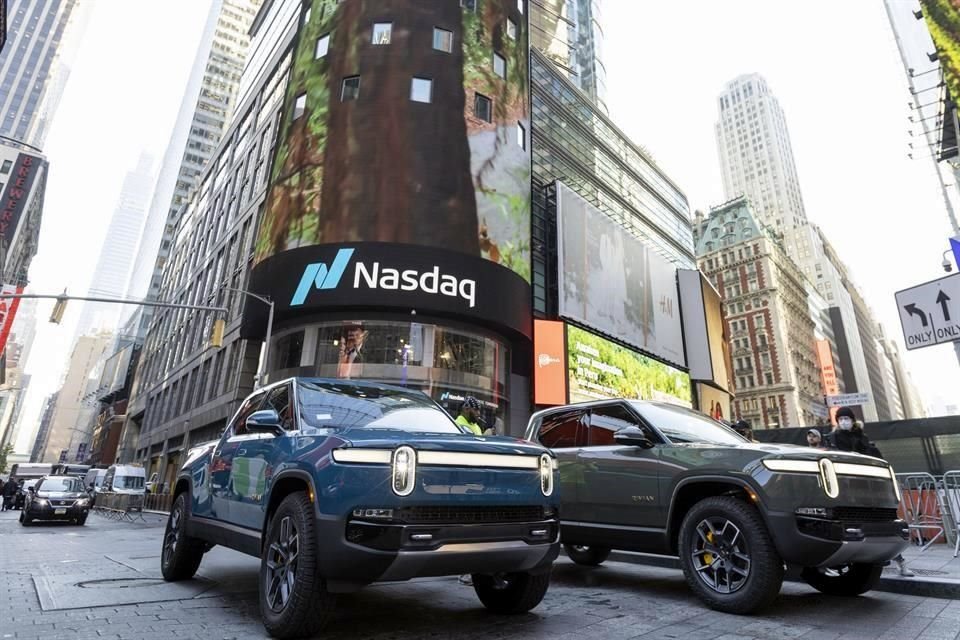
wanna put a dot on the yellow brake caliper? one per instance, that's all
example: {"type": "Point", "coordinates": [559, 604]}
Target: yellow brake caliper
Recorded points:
{"type": "Point", "coordinates": [708, 557]}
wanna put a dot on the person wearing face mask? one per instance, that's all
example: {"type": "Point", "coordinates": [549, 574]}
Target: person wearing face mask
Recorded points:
{"type": "Point", "coordinates": [849, 436]}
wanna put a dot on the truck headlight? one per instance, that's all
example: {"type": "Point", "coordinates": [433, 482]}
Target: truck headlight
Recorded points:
{"type": "Point", "coordinates": [403, 470]}
{"type": "Point", "coordinates": [546, 474]}
{"type": "Point", "coordinates": [83, 502]}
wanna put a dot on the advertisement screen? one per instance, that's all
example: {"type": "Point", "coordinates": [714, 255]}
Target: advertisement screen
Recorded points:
{"type": "Point", "coordinates": [550, 375]}
{"type": "Point", "coordinates": [612, 282]}
{"type": "Point", "coordinates": [405, 122]}
{"type": "Point", "coordinates": [714, 402]}
{"type": "Point", "coordinates": [943, 21]}
{"type": "Point", "coordinates": [601, 369]}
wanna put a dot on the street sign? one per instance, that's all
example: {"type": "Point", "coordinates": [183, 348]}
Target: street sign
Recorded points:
{"type": "Point", "coordinates": [930, 312]}
{"type": "Point", "coordinates": [848, 400]}
{"type": "Point", "coordinates": [955, 247]}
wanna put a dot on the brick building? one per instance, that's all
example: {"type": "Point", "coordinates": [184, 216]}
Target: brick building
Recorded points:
{"type": "Point", "coordinates": [772, 336]}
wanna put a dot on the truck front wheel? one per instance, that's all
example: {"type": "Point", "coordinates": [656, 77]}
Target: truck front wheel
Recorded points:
{"type": "Point", "coordinates": [727, 556]}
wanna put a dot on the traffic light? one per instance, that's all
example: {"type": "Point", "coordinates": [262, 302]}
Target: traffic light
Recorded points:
{"type": "Point", "coordinates": [58, 308]}
{"type": "Point", "coordinates": [216, 336]}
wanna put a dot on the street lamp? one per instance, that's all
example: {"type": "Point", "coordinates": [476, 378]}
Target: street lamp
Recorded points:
{"type": "Point", "coordinates": [258, 379]}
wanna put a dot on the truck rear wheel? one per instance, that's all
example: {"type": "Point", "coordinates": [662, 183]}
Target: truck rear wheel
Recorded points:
{"type": "Point", "coordinates": [727, 556]}
{"type": "Point", "coordinates": [586, 556]}
{"type": "Point", "coordinates": [848, 580]}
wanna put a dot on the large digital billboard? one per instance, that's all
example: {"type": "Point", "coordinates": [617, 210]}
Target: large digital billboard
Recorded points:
{"type": "Point", "coordinates": [405, 122]}
{"type": "Point", "coordinates": [601, 369]}
{"type": "Point", "coordinates": [613, 282]}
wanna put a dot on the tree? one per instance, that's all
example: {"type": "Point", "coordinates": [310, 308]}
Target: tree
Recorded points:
{"type": "Point", "coordinates": [4, 454]}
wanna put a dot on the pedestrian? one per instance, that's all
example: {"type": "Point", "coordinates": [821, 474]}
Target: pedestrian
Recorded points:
{"type": "Point", "coordinates": [9, 495]}
{"type": "Point", "coordinates": [470, 415]}
{"type": "Point", "coordinates": [849, 436]}
{"type": "Point", "coordinates": [743, 428]}
{"type": "Point", "coordinates": [814, 439]}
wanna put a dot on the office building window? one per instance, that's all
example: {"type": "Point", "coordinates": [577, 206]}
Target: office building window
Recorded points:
{"type": "Point", "coordinates": [520, 6]}
{"type": "Point", "coordinates": [499, 65]}
{"type": "Point", "coordinates": [382, 32]}
{"type": "Point", "coordinates": [442, 40]}
{"type": "Point", "coordinates": [469, 4]}
{"type": "Point", "coordinates": [521, 136]}
{"type": "Point", "coordinates": [483, 108]}
{"type": "Point", "coordinates": [350, 90]}
{"type": "Point", "coordinates": [6, 166]}
{"type": "Point", "coordinates": [323, 46]}
{"type": "Point", "coordinates": [299, 105]}
{"type": "Point", "coordinates": [421, 90]}
{"type": "Point", "coordinates": [511, 29]}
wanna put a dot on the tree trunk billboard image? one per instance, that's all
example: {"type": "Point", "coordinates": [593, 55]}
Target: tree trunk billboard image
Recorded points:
{"type": "Point", "coordinates": [405, 121]}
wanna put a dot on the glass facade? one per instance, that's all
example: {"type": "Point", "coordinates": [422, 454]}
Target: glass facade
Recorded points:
{"type": "Point", "coordinates": [446, 363]}
{"type": "Point", "coordinates": [575, 143]}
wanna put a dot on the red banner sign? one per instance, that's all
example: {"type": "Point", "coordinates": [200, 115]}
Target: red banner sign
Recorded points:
{"type": "Point", "coordinates": [8, 311]}
{"type": "Point", "coordinates": [16, 193]}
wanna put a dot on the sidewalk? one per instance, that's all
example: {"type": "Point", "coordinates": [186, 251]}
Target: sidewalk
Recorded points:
{"type": "Point", "coordinates": [938, 572]}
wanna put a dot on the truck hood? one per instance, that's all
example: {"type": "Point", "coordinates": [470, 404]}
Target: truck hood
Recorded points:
{"type": "Point", "coordinates": [465, 443]}
{"type": "Point", "coordinates": [795, 452]}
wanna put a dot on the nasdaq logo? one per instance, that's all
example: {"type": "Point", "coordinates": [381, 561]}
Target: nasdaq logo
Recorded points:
{"type": "Point", "coordinates": [319, 276]}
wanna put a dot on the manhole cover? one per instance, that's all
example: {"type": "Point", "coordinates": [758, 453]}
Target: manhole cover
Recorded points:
{"type": "Point", "coordinates": [120, 583]}
{"type": "Point", "coordinates": [929, 572]}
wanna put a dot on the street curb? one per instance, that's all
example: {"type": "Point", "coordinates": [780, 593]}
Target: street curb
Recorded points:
{"type": "Point", "coordinates": [917, 586]}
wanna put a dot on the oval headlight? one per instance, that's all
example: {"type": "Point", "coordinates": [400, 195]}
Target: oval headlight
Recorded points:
{"type": "Point", "coordinates": [403, 470]}
{"type": "Point", "coordinates": [829, 476]}
{"type": "Point", "coordinates": [546, 474]}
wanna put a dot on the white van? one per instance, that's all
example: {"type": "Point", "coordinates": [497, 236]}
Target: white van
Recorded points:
{"type": "Point", "coordinates": [94, 478]}
{"type": "Point", "coordinates": [125, 478]}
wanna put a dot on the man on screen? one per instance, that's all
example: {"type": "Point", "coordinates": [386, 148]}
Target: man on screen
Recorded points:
{"type": "Point", "coordinates": [350, 362]}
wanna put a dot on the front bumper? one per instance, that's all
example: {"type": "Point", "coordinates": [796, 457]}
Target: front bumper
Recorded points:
{"type": "Point", "coordinates": [56, 512]}
{"type": "Point", "coordinates": [357, 552]}
{"type": "Point", "coordinates": [829, 541]}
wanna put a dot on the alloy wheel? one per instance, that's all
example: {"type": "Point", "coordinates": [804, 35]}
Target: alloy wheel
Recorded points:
{"type": "Point", "coordinates": [173, 536]}
{"type": "Point", "coordinates": [720, 555]}
{"type": "Point", "coordinates": [282, 565]}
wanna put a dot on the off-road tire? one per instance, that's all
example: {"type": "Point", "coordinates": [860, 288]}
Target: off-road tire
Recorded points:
{"type": "Point", "coordinates": [511, 594]}
{"type": "Point", "coordinates": [587, 556]}
{"type": "Point", "coordinates": [183, 561]}
{"type": "Point", "coordinates": [310, 606]}
{"type": "Point", "coordinates": [853, 580]}
{"type": "Point", "coordinates": [766, 567]}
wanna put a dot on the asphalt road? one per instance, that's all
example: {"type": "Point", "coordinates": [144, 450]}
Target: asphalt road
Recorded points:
{"type": "Point", "coordinates": [102, 581]}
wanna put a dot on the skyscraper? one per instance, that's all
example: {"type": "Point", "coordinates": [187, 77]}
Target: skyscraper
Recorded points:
{"type": "Point", "coordinates": [111, 276]}
{"type": "Point", "coordinates": [31, 76]}
{"type": "Point", "coordinates": [756, 158]}
{"type": "Point", "coordinates": [205, 112]}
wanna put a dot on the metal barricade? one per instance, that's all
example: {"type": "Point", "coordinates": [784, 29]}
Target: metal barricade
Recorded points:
{"type": "Point", "coordinates": [119, 506]}
{"type": "Point", "coordinates": [951, 498]}
{"type": "Point", "coordinates": [158, 502]}
{"type": "Point", "coordinates": [922, 507]}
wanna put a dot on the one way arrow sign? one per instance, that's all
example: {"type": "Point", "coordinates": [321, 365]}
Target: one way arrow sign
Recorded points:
{"type": "Point", "coordinates": [930, 312]}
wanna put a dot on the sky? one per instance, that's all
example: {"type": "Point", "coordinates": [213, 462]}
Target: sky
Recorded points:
{"type": "Point", "coordinates": [833, 65]}
{"type": "Point", "coordinates": [836, 71]}
{"type": "Point", "coordinates": [121, 99]}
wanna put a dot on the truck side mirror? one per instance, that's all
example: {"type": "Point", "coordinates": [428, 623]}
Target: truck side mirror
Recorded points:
{"type": "Point", "coordinates": [633, 437]}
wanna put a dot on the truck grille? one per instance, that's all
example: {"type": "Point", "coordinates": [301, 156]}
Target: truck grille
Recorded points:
{"type": "Point", "coordinates": [864, 514]}
{"type": "Point", "coordinates": [469, 515]}
{"type": "Point", "coordinates": [61, 503]}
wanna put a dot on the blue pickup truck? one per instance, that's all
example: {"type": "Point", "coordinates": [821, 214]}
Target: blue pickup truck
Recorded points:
{"type": "Point", "coordinates": [338, 484]}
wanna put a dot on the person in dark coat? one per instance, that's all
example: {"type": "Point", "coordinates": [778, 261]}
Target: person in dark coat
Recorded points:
{"type": "Point", "coordinates": [849, 436]}
{"type": "Point", "coordinates": [9, 494]}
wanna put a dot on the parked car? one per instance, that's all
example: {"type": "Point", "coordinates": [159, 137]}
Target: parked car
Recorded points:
{"type": "Point", "coordinates": [657, 478]}
{"type": "Point", "coordinates": [56, 498]}
{"type": "Point", "coordinates": [337, 484]}
{"type": "Point", "coordinates": [153, 484]}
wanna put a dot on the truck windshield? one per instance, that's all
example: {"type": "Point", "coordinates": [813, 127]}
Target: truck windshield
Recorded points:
{"type": "Point", "coordinates": [330, 405]}
{"type": "Point", "coordinates": [681, 425]}
{"type": "Point", "coordinates": [127, 482]}
{"type": "Point", "coordinates": [60, 485]}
